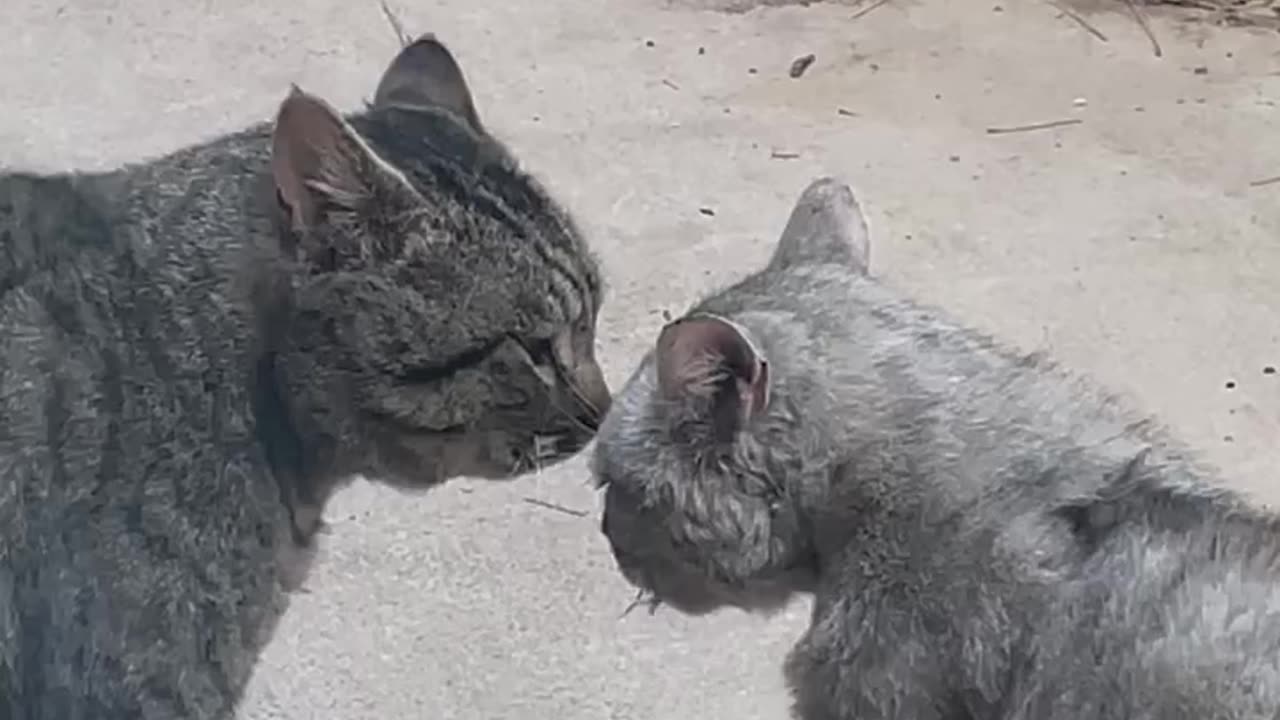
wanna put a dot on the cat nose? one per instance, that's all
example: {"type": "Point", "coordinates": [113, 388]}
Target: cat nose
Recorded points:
{"type": "Point", "coordinates": [602, 404]}
{"type": "Point", "coordinates": [594, 399]}
{"type": "Point", "coordinates": [590, 420]}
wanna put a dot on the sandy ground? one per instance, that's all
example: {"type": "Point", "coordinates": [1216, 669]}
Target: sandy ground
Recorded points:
{"type": "Point", "coordinates": [1132, 245]}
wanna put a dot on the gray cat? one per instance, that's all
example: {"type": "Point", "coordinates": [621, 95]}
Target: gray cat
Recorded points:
{"type": "Point", "coordinates": [197, 350]}
{"type": "Point", "coordinates": [984, 535]}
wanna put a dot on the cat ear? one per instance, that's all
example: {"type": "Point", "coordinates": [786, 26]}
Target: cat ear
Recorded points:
{"type": "Point", "coordinates": [826, 225]}
{"type": "Point", "coordinates": [425, 75]}
{"type": "Point", "coordinates": [709, 358]}
{"type": "Point", "coordinates": [318, 160]}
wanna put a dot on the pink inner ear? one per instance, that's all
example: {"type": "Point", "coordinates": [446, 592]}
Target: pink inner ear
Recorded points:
{"type": "Point", "coordinates": [759, 389]}
{"type": "Point", "coordinates": [693, 351]}
{"type": "Point", "coordinates": [682, 357]}
{"type": "Point", "coordinates": [291, 188]}
{"type": "Point", "coordinates": [307, 136]}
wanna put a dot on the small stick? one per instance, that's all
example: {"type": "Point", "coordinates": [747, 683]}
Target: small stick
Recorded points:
{"type": "Point", "coordinates": [1208, 7]}
{"type": "Point", "coordinates": [398, 28]}
{"type": "Point", "coordinates": [553, 506]}
{"type": "Point", "coordinates": [846, 113]}
{"type": "Point", "coordinates": [1034, 126]}
{"type": "Point", "coordinates": [670, 84]}
{"type": "Point", "coordinates": [1265, 181]}
{"type": "Point", "coordinates": [869, 8]}
{"type": "Point", "coordinates": [1077, 17]}
{"type": "Point", "coordinates": [1142, 22]}
{"type": "Point", "coordinates": [783, 155]}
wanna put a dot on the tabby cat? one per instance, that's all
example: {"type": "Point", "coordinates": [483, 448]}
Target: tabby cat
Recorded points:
{"type": "Point", "coordinates": [196, 351]}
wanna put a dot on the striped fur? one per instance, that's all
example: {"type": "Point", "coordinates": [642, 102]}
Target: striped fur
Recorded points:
{"type": "Point", "coordinates": [196, 350]}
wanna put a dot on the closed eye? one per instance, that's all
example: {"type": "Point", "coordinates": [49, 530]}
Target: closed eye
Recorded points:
{"type": "Point", "coordinates": [435, 373]}
{"type": "Point", "coordinates": [541, 351]}
{"type": "Point", "coordinates": [542, 359]}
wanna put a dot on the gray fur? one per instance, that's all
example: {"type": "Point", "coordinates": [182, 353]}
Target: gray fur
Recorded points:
{"type": "Point", "coordinates": [197, 350]}
{"type": "Point", "coordinates": [985, 536]}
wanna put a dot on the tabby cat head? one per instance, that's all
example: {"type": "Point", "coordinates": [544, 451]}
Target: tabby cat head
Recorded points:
{"type": "Point", "coordinates": [715, 444]}
{"type": "Point", "coordinates": [441, 308]}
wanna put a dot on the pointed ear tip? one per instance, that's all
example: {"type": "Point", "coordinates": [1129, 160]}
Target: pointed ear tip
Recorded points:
{"type": "Point", "coordinates": [295, 97]}
{"type": "Point", "coordinates": [428, 42]}
{"type": "Point", "coordinates": [299, 100]}
{"type": "Point", "coordinates": [664, 334]}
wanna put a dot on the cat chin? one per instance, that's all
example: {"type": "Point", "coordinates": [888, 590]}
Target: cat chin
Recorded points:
{"type": "Point", "coordinates": [686, 602]}
{"type": "Point", "coordinates": [698, 599]}
{"type": "Point", "coordinates": [428, 458]}
{"type": "Point", "coordinates": [765, 607]}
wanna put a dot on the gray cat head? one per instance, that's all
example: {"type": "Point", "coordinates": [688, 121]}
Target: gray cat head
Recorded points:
{"type": "Point", "coordinates": [710, 450]}
{"type": "Point", "coordinates": [440, 309]}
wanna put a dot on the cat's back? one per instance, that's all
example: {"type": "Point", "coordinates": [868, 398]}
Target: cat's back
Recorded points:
{"type": "Point", "coordinates": [54, 234]}
{"type": "Point", "coordinates": [131, 483]}
{"type": "Point", "coordinates": [119, 285]}
{"type": "Point", "coordinates": [1173, 613]}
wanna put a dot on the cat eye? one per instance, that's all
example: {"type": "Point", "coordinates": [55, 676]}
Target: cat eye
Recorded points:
{"type": "Point", "coordinates": [541, 351]}
{"type": "Point", "coordinates": [542, 358]}
{"type": "Point", "coordinates": [554, 352]}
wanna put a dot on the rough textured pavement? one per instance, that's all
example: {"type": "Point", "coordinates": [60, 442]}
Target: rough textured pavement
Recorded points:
{"type": "Point", "coordinates": [1132, 245]}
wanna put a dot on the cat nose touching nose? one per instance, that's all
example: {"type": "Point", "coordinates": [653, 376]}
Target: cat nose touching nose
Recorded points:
{"type": "Point", "coordinates": [594, 400]}
{"type": "Point", "coordinates": [593, 415]}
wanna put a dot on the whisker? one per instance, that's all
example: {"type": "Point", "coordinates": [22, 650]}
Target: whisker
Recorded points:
{"type": "Point", "coordinates": [582, 398]}
{"type": "Point", "coordinates": [643, 597]}
{"type": "Point", "coordinates": [636, 602]}
{"type": "Point", "coordinates": [574, 419]}
{"type": "Point", "coordinates": [578, 396]}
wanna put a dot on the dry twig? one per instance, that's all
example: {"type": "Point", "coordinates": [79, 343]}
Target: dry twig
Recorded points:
{"type": "Point", "coordinates": [869, 8]}
{"type": "Point", "coordinates": [1243, 13]}
{"type": "Point", "coordinates": [1078, 18]}
{"type": "Point", "coordinates": [396, 26]}
{"type": "Point", "coordinates": [1265, 181]}
{"type": "Point", "coordinates": [1033, 126]}
{"type": "Point", "coordinates": [1146, 27]}
{"type": "Point", "coordinates": [554, 506]}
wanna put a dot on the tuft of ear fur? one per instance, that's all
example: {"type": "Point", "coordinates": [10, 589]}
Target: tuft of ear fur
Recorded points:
{"type": "Point", "coordinates": [426, 75]}
{"type": "Point", "coordinates": [826, 226]}
{"type": "Point", "coordinates": [710, 362]}
{"type": "Point", "coordinates": [319, 161]}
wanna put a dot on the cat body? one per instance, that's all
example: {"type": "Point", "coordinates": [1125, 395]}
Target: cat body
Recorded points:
{"type": "Point", "coordinates": [985, 536]}
{"type": "Point", "coordinates": [196, 351]}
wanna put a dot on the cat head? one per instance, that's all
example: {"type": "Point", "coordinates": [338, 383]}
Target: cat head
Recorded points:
{"type": "Point", "coordinates": [441, 308]}
{"type": "Point", "coordinates": [709, 450]}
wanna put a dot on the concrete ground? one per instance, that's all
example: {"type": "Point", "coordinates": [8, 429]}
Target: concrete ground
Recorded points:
{"type": "Point", "coordinates": [1135, 245]}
